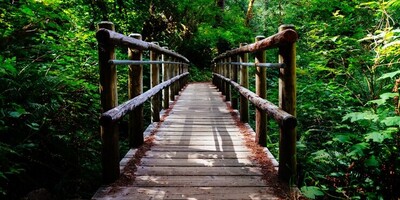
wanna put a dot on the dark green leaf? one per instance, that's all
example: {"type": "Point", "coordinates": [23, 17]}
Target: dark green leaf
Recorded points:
{"type": "Point", "coordinates": [311, 191]}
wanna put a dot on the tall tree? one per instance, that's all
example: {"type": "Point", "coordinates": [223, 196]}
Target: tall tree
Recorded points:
{"type": "Point", "coordinates": [249, 13]}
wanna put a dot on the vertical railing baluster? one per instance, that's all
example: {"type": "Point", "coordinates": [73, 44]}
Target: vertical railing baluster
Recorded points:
{"type": "Point", "coordinates": [234, 68]}
{"type": "Point", "coordinates": [221, 71]}
{"type": "Point", "coordinates": [244, 81]}
{"type": "Point", "coordinates": [155, 80]}
{"type": "Point", "coordinates": [109, 100]}
{"type": "Point", "coordinates": [135, 88]}
{"type": "Point", "coordinates": [287, 101]}
{"type": "Point", "coordinates": [228, 75]}
{"type": "Point", "coordinates": [172, 86]}
{"type": "Point", "coordinates": [166, 76]}
{"type": "Point", "coordinates": [177, 85]}
{"type": "Point", "coordinates": [261, 91]}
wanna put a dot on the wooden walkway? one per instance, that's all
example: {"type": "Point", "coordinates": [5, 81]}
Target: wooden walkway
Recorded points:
{"type": "Point", "coordinates": [198, 153]}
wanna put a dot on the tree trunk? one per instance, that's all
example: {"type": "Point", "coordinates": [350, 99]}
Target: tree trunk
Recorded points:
{"type": "Point", "coordinates": [221, 4]}
{"type": "Point", "coordinates": [249, 14]}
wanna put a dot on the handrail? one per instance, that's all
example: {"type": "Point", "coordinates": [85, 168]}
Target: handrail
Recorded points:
{"type": "Point", "coordinates": [225, 76]}
{"type": "Point", "coordinates": [282, 117]}
{"type": "Point", "coordinates": [174, 77]}
{"type": "Point", "coordinates": [120, 111]}
{"type": "Point", "coordinates": [285, 37]}
{"type": "Point", "coordinates": [268, 65]}
{"type": "Point", "coordinates": [126, 41]}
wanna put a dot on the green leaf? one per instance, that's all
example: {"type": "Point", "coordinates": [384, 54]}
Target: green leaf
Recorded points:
{"type": "Point", "coordinates": [392, 121]}
{"type": "Point", "coordinates": [18, 113]}
{"type": "Point", "coordinates": [27, 11]}
{"type": "Point", "coordinates": [383, 98]}
{"type": "Point", "coordinates": [311, 191]}
{"type": "Point", "coordinates": [375, 137]}
{"type": "Point", "coordinates": [33, 126]}
{"type": "Point", "coordinates": [357, 116]}
{"type": "Point", "coordinates": [342, 138]}
{"type": "Point", "coordinates": [388, 95]}
{"type": "Point", "coordinates": [372, 162]}
{"type": "Point", "coordinates": [9, 65]}
{"type": "Point", "coordinates": [378, 102]}
{"type": "Point", "coordinates": [357, 150]}
{"type": "Point", "coordinates": [3, 176]}
{"type": "Point", "coordinates": [389, 75]}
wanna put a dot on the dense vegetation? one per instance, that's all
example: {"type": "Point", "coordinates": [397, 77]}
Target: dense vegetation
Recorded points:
{"type": "Point", "coordinates": [348, 79]}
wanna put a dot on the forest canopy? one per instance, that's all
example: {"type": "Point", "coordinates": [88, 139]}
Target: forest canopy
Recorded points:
{"type": "Point", "coordinates": [348, 71]}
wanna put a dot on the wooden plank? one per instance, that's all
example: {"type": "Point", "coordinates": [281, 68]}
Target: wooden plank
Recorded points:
{"type": "Point", "coordinates": [192, 133]}
{"type": "Point", "coordinates": [200, 148]}
{"type": "Point", "coordinates": [125, 193]}
{"type": "Point", "coordinates": [199, 171]}
{"type": "Point", "coordinates": [197, 138]}
{"type": "Point", "coordinates": [198, 142]}
{"type": "Point", "coordinates": [198, 181]}
{"type": "Point", "coordinates": [200, 123]}
{"type": "Point", "coordinates": [200, 155]}
{"type": "Point", "coordinates": [199, 118]}
{"type": "Point", "coordinates": [195, 162]}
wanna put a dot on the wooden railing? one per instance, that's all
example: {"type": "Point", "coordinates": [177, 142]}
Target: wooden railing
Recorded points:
{"type": "Point", "coordinates": [174, 74]}
{"type": "Point", "coordinates": [226, 67]}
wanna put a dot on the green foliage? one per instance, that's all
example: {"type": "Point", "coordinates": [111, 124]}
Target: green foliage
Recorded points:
{"type": "Point", "coordinates": [49, 95]}
{"type": "Point", "coordinates": [311, 192]}
{"type": "Point", "coordinates": [197, 75]}
{"type": "Point", "coordinates": [347, 63]}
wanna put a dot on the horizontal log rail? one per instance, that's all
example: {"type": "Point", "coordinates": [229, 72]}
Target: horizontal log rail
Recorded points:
{"type": "Point", "coordinates": [135, 62]}
{"type": "Point", "coordinates": [268, 65]}
{"type": "Point", "coordinates": [115, 114]}
{"type": "Point", "coordinates": [122, 40]}
{"type": "Point", "coordinates": [282, 117]}
{"type": "Point", "coordinates": [174, 73]}
{"type": "Point", "coordinates": [280, 39]}
{"type": "Point", "coordinates": [226, 75]}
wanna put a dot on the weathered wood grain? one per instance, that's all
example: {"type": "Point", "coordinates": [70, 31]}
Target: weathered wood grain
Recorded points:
{"type": "Point", "coordinates": [197, 153]}
{"type": "Point", "coordinates": [125, 193]}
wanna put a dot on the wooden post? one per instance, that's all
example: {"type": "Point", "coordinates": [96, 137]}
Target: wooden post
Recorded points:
{"type": "Point", "coordinates": [228, 75]}
{"type": "Point", "coordinates": [172, 87]}
{"type": "Point", "coordinates": [261, 90]}
{"type": "Point", "coordinates": [177, 85]}
{"type": "Point", "coordinates": [135, 88]}
{"type": "Point", "coordinates": [235, 79]}
{"type": "Point", "coordinates": [109, 100]}
{"type": "Point", "coordinates": [155, 80]}
{"type": "Point", "coordinates": [221, 72]}
{"type": "Point", "coordinates": [181, 82]}
{"type": "Point", "coordinates": [218, 71]}
{"type": "Point", "coordinates": [214, 69]}
{"type": "Point", "coordinates": [166, 76]}
{"type": "Point", "coordinates": [287, 101]}
{"type": "Point", "coordinates": [244, 81]}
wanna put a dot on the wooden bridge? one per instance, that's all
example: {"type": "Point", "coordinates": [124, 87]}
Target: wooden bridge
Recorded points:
{"type": "Point", "coordinates": [200, 146]}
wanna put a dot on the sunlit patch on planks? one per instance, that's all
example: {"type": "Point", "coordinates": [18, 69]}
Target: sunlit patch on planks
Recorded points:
{"type": "Point", "coordinates": [198, 153]}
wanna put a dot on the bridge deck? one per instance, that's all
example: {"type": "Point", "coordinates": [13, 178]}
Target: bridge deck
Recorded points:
{"type": "Point", "coordinates": [198, 153]}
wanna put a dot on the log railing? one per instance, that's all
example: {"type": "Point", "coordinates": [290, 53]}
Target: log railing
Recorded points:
{"type": "Point", "coordinates": [226, 68]}
{"type": "Point", "coordinates": [174, 76]}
